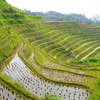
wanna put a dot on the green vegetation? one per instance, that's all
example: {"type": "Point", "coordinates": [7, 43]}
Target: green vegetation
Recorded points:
{"type": "Point", "coordinates": [96, 95]}
{"type": "Point", "coordinates": [51, 97]}
{"type": "Point", "coordinates": [56, 16]}
{"type": "Point", "coordinates": [9, 40]}
{"type": "Point", "coordinates": [91, 61]}
{"type": "Point", "coordinates": [7, 8]}
{"type": "Point", "coordinates": [17, 88]}
{"type": "Point", "coordinates": [68, 50]}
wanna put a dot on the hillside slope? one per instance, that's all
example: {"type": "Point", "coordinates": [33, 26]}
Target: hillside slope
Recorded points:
{"type": "Point", "coordinates": [56, 16]}
{"type": "Point", "coordinates": [12, 20]}
{"type": "Point", "coordinates": [38, 56]}
{"type": "Point", "coordinates": [7, 8]}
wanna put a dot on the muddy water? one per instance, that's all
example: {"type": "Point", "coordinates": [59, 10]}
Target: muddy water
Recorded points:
{"type": "Point", "coordinates": [19, 72]}
{"type": "Point", "coordinates": [5, 94]}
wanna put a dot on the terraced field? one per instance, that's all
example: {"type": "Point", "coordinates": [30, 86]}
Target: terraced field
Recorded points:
{"type": "Point", "coordinates": [65, 44]}
{"type": "Point", "coordinates": [55, 48]}
{"type": "Point", "coordinates": [5, 94]}
{"type": "Point", "coordinates": [39, 58]}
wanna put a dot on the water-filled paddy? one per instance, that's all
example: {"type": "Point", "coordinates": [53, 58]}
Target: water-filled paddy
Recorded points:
{"type": "Point", "coordinates": [19, 72]}
{"type": "Point", "coordinates": [6, 94]}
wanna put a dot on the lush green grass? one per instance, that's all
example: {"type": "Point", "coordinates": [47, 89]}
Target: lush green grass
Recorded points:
{"type": "Point", "coordinates": [7, 8]}
{"type": "Point", "coordinates": [51, 97]}
{"type": "Point", "coordinates": [91, 61]}
{"type": "Point", "coordinates": [96, 93]}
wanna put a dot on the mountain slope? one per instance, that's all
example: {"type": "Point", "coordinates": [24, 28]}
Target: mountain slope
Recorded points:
{"type": "Point", "coordinates": [12, 20]}
{"type": "Point", "coordinates": [35, 55]}
{"type": "Point", "coordinates": [55, 16]}
{"type": "Point", "coordinates": [7, 8]}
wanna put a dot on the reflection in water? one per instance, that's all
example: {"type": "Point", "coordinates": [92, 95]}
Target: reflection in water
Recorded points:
{"type": "Point", "coordinates": [18, 71]}
{"type": "Point", "coordinates": [5, 94]}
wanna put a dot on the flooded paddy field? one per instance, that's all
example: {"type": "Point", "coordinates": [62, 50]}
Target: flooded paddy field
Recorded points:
{"type": "Point", "coordinates": [18, 71]}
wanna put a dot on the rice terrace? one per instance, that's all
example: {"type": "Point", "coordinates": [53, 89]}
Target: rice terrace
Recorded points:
{"type": "Point", "coordinates": [47, 60]}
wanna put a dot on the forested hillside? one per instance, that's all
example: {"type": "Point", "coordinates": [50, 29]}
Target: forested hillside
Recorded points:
{"type": "Point", "coordinates": [56, 16]}
{"type": "Point", "coordinates": [48, 60]}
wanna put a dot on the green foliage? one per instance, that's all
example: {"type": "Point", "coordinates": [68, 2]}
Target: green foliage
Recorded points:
{"type": "Point", "coordinates": [51, 97]}
{"type": "Point", "coordinates": [91, 61]}
{"type": "Point", "coordinates": [7, 8]}
{"type": "Point", "coordinates": [11, 13]}
{"type": "Point", "coordinates": [55, 16]}
{"type": "Point", "coordinates": [18, 17]}
{"type": "Point", "coordinates": [14, 39]}
{"type": "Point", "coordinates": [9, 42]}
{"type": "Point", "coordinates": [96, 93]}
